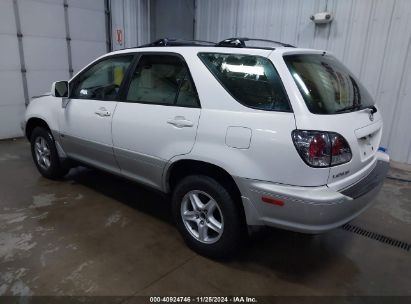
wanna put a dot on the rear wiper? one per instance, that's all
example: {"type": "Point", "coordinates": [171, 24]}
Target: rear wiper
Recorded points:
{"type": "Point", "coordinates": [372, 108]}
{"type": "Point", "coordinates": [356, 107]}
{"type": "Point", "coordinates": [349, 108]}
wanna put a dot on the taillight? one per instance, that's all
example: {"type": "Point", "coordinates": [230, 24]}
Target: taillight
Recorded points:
{"type": "Point", "coordinates": [340, 150]}
{"type": "Point", "coordinates": [321, 149]}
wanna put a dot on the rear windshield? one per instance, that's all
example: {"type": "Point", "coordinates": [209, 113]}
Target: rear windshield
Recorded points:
{"type": "Point", "coordinates": [251, 80]}
{"type": "Point", "coordinates": [327, 86]}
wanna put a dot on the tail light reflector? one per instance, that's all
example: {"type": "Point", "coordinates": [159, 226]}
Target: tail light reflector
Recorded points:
{"type": "Point", "coordinates": [272, 201]}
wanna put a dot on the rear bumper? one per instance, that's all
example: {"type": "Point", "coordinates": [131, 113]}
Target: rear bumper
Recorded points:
{"type": "Point", "coordinates": [311, 209]}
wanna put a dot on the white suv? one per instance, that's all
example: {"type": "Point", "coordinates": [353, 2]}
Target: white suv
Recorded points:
{"type": "Point", "coordinates": [238, 135]}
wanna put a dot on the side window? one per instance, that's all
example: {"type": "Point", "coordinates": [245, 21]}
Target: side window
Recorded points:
{"type": "Point", "coordinates": [102, 81]}
{"type": "Point", "coordinates": [251, 80]}
{"type": "Point", "coordinates": [162, 79]}
{"type": "Point", "coordinates": [187, 96]}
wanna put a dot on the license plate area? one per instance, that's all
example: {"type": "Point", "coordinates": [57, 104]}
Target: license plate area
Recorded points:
{"type": "Point", "coordinates": [368, 144]}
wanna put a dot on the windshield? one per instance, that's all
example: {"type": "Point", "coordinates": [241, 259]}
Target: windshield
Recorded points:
{"type": "Point", "coordinates": [326, 85]}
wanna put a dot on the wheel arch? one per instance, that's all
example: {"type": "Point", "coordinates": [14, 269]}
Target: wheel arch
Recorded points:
{"type": "Point", "coordinates": [34, 122]}
{"type": "Point", "coordinates": [184, 167]}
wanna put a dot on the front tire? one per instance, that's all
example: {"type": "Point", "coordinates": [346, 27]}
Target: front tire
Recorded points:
{"type": "Point", "coordinates": [45, 156]}
{"type": "Point", "coordinates": [207, 216]}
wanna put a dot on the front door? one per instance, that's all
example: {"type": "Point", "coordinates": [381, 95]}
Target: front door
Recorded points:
{"type": "Point", "coordinates": [157, 119]}
{"type": "Point", "coordinates": [85, 122]}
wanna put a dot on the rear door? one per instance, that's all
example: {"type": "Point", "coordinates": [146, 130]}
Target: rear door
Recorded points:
{"type": "Point", "coordinates": [337, 102]}
{"type": "Point", "coordinates": [157, 118]}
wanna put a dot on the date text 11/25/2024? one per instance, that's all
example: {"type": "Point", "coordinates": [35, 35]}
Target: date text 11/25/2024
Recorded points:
{"type": "Point", "coordinates": [203, 299]}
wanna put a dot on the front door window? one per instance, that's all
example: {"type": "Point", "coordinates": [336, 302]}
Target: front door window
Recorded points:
{"type": "Point", "coordinates": [102, 81]}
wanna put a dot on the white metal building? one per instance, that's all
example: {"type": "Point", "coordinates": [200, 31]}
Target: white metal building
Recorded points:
{"type": "Point", "coordinates": [372, 37]}
{"type": "Point", "coordinates": [42, 41]}
{"type": "Point", "coordinates": [47, 40]}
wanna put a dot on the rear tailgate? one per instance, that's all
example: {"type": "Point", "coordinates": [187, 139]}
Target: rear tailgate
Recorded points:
{"type": "Point", "coordinates": [363, 136]}
{"type": "Point", "coordinates": [332, 99]}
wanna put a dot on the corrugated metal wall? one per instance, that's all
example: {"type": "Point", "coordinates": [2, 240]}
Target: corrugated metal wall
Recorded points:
{"type": "Point", "coordinates": [178, 13]}
{"type": "Point", "coordinates": [372, 37]}
{"type": "Point", "coordinates": [142, 21]}
{"type": "Point", "coordinates": [132, 17]}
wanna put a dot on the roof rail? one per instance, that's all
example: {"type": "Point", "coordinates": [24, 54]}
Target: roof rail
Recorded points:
{"type": "Point", "coordinates": [240, 43]}
{"type": "Point", "coordinates": [178, 42]}
{"type": "Point", "coordinates": [230, 42]}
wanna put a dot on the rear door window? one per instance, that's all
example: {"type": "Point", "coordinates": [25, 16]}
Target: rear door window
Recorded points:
{"type": "Point", "coordinates": [163, 80]}
{"type": "Point", "coordinates": [326, 85]}
{"type": "Point", "coordinates": [251, 80]}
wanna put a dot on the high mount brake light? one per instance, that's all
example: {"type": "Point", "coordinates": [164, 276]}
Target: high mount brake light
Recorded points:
{"type": "Point", "coordinates": [321, 149]}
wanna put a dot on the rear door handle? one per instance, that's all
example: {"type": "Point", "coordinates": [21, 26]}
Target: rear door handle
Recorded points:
{"type": "Point", "coordinates": [180, 122]}
{"type": "Point", "coordinates": [102, 112]}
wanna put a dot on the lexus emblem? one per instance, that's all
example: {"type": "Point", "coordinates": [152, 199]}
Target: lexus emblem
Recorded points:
{"type": "Point", "coordinates": [371, 116]}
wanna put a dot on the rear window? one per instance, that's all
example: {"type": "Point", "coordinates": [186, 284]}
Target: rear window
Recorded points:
{"type": "Point", "coordinates": [251, 80]}
{"type": "Point", "coordinates": [326, 85]}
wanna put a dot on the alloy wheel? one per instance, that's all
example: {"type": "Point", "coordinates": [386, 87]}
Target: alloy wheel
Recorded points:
{"type": "Point", "coordinates": [202, 216]}
{"type": "Point", "coordinates": [42, 152]}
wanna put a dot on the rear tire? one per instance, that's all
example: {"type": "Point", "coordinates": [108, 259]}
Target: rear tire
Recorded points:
{"type": "Point", "coordinates": [207, 216]}
{"type": "Point", "coordinates": [45, 156]}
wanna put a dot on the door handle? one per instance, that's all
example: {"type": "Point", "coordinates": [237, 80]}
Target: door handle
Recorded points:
{"type": "Point", "coordinates": [102, 112]}
{"type": "Point", "coordinates": [180, 122]}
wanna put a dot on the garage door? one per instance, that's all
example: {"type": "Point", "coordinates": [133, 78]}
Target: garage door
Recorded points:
{"type": "Point", "coordinates": [12, 97]}
{"type": "Point", "coordinates": [58, 37]}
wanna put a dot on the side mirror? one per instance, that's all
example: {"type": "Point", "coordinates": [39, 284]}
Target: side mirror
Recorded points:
{"type": "Point", "coordinates": [60, 89]}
